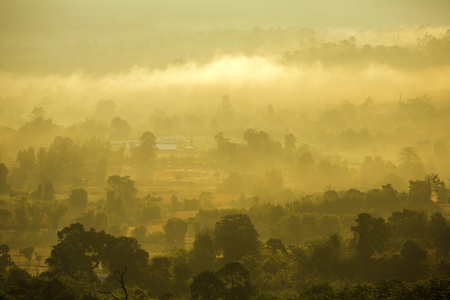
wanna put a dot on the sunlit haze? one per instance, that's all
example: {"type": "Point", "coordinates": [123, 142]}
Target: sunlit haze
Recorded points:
{"type": "Point", "coordinates": [232, 149]}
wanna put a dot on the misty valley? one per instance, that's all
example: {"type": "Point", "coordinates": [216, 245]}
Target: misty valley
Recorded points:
{"type": "Point", "coordinates": [140, 161]}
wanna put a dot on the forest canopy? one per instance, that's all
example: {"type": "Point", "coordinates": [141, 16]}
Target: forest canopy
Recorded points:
{"type": "Point", "coordinates": [224, 149]}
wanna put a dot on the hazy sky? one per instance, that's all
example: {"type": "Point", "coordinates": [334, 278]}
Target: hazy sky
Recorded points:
{"type": "Point", "coordinates": [204, 14]}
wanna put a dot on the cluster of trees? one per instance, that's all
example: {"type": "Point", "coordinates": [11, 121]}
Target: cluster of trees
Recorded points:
{"type": "Point", "coordinates": [257, 146]}
{"type": "Point", "coordinates": [229, 261]}
{"type": "Point", "coordinates": [311, 169]}
{"type": "Point", "coordinates": [64, 155]}
{"type": "Point", "coordinates": [89, 160]}
{"type": "Point", "coordinates": [428, 51]}
{"type": "Point", "coordinates": [306, 156]}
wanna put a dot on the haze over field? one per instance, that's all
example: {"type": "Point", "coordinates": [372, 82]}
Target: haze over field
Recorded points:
{"type": "Point", "coordinates": [224, 149]}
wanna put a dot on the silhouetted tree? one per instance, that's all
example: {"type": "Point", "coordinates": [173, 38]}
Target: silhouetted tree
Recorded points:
{"type": "Point", "coordinates": [207, 286]}
{"type": "Point", "coordinates": [371, 234]}
{"type": "Point", "coordinates": [175, 230]}
{"type": "Point", "coordinates": [181, 275]}
{"type": "Point", "coordinates": [122, 186]}
{"type": "Point", "coordinates": [118, 277]}
{"type": "Point", "coordinates": [289, 142]}
{"type": "Point", "coordinates": [410, 163]}
{"type": "Point", "coordinates": [409, 223]}
{"type": "Point", "coordinates": [276, 245]}
{"type": "Point", "coordinates": [5, 258]}
{"type": "Point", "coordinates": [26, 158]}
{"type": "Point", "coordinates": [326, 255]}
{"type": "Point", "coordinates": [140, 233]}
{"type": "Point", "coordinates": [203, 252]}
{"type": "Point", "coordinates": [439, 230]}
{"type": "Point", "coordinates": [55, 213]}
{"type": "Point", "coordinates": [160, 276]}
{"type": "Point", "coordinates": [79, 252]}
{"type": "Point", "coordinates": [174, 202]}
{"type": "Point", "coordinates": [236, 279]}
{"type": "Point", "coordinates": [413, 260]}
{"type": "Point", "coordinates": [38, 258]}
{"type": "Point", "coordinates": [147, 148]}
{"type": "Point", "coordinates": [419, 191]}
{"type": "Point", "coordinates": [120, 129]}
{"type": "Point", "coordinates": [234, 230]}
{"type": "Point", "coordinates": [78, 198]}
{"type": "Point", "coordinates": [44, 191]}
{"type": "Point", "coordinates": [225, 147]}
{"type": "Point", "coordinates": [75, 255]}
{"type": "Point", "coordinates": [61, 152]}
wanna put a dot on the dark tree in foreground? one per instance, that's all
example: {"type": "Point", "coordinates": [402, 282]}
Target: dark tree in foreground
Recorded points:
{"type": "Point", "coordinates": [79, 252]}
{"type": "Point", "coordinates": [414, 260]}
{"type": "Point", "coordinates": [236, 236]}
{"type": "Point", "coordinates": [236, 279]}
{"type": "Point", "coordinates": [371, 234]}
{"type": "Point", "coordinates": [118, 277]}
{"type": "Point", "coordinates": [203, 254]}
{"type": "Point", "coordinates": [207, 286]}
{"type": "Point", "coordinates": [74, 255]}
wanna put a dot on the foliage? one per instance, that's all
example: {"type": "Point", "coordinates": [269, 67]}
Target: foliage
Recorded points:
{"type": "Point", "coordinates": [79, 252]}
{"type": "Point", "coordinates": [147, 148]}
{"type": "Point", "coordinates": [207, 286]}
{"type": "Point", "coordinates": [371, 235]}
{"type": "Point", "coordinates": [78, 198]}
{"type": "Point", "coordinates": [175, 230]}
{"type": "Point", "coordinates": [233, 230]}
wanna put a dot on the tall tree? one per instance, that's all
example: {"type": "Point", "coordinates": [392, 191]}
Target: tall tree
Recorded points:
{"type": "Point", "coordinates": [175, 230]}
{"type": "Point", "coordinates": [147, 149]}
{"type": "Point", "coordinates": [413, 260]}
{"type": "Point", "coordinates": [236, 279]}
{"type": "Point", "coordinates": [207, 286]}
{"type": "Point", "coordinates": [234, 230]}
{"type": "Point", "coordinates": [203, 253]}
{"type": "Point", "coordinates": [78, 198]}
{"type": "Point", "coordinates": [371, 234]}
{"type": "Point", "coordinates": [122, 186]}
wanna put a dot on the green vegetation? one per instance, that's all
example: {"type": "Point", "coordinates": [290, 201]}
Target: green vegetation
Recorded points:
{"type": "Point", "coordinates": [224, 150]}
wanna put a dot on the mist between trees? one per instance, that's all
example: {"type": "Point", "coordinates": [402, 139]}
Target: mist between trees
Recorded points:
{"type": "Point", "coordinates": [262, 163]}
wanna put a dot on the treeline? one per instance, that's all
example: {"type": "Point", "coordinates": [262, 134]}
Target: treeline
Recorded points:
{"type": "Point", "coordinates": [344, 146]}
{"type": "Point", "coordinates": [228, 261]}
{"type": "Point", "coordinates": [426, 52]}
{"type": "Point", "coordinates": [128, 44]}
{"type": "Point", "coordinates": [274, 210]}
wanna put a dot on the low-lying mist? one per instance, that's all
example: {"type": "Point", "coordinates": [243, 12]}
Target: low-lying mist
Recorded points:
{"type": "Point", "coordinates": [248, 79]}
